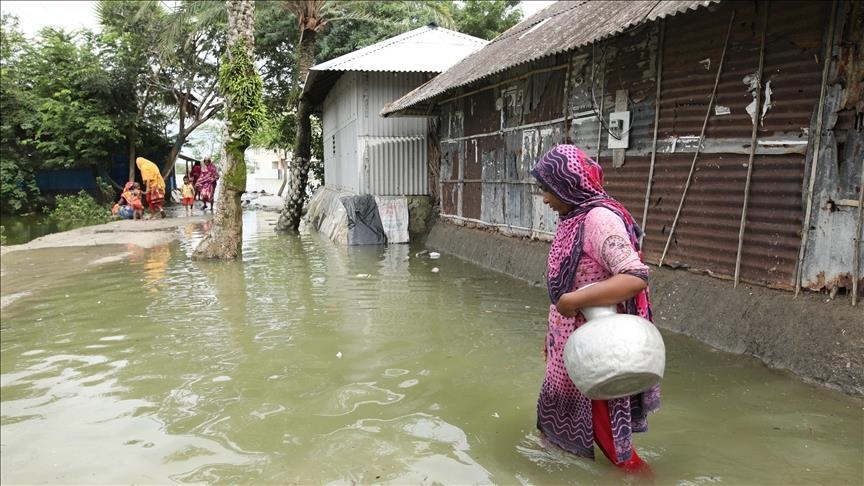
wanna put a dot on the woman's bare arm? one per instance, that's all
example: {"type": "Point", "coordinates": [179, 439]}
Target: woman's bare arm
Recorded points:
{"type": "Point", "coordinates": [611, 291]}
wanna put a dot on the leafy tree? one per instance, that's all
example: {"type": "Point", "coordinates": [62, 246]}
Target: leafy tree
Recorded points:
{"type": "Point", "coordinates": [57, 109]}
{"type": "Point", "coordinates": [75, 125]}
{"type": "Point", "coordinates": [129, 43]}
{"type": "Point", "coordinates": [172, 59]}
{"type": "Point", "coordinates": [17, 175]}
{"type": "Point", "coordinates": [486, 19]}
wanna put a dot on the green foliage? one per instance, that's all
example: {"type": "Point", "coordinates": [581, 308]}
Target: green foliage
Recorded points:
{"type": "Point", "coordinates": [240, 83]}
{"type": "Point", "coordinates": [18, 191]}
{"type": "Point", "coordinates": [486, 19]}
{"type": "Point", "coordinates": [75, 124]}
{"type": "Point", "coordinates": [76, 211]}
{"type": "Point", "coordinates": [2, 235]}
{"type": "Point", "coordinates": [17, 106]}
{"type": "Point", "coordinates": [106, 191]}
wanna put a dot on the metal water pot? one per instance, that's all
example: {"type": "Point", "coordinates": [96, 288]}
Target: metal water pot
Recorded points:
{"type": "Point", "coordinates": [614, 355]}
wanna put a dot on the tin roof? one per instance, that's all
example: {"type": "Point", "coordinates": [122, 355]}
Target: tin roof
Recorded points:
{"type": "Point", "coordinates": [560, 27]}
{"type": "Point", "coordinates": [428, 49]}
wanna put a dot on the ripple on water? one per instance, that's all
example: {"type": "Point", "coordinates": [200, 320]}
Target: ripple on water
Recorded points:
{"type": "Point", "coordinates": [409, 449]}
{"type": "Point", "coordinates": [348, 398]}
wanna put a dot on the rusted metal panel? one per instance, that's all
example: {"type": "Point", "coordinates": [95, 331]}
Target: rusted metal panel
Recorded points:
{"type": "Point", "coordinates": [498, 151]}
{"type": "Point", "coordinates": [706, 235]}
{"type": "Point", "coordinates": [479, 113]}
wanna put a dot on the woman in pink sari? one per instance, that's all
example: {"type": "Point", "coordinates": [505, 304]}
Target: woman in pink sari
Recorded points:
{"type": "Point", "coordinates": [596, 242]}
{"type": "Point", "coordinates": [206, 183]}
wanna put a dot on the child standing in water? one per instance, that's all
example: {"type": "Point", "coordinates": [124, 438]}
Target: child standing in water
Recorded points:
{"type": "Point", "coordinates": [188, 195]}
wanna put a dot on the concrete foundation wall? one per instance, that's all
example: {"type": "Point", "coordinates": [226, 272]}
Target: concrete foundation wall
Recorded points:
{"type": "Point", "coordinates": [818, 339]}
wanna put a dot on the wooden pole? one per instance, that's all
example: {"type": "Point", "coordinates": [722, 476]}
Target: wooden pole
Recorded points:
{"type": "Point", "coordinates": [701, 137]}
{"type": "Point", "coordinates": [857, 240]}
{"type": "Point", "coordinates": [753, 134]}
{"type": "Point", "coordinates": [805, 230]}
{"type": "Point", "coordinates": [656, 124]}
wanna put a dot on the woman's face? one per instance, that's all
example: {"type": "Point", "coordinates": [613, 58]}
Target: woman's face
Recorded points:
{"type": "Point", "coordinates": [556, 204]}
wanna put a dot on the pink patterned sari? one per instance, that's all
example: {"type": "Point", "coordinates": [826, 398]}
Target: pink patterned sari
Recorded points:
{"type": "Point", "coordinates": [578, 257]}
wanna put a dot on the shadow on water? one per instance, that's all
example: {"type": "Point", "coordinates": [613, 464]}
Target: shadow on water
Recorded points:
{"type": "Point", "coordinates": [308, 363]}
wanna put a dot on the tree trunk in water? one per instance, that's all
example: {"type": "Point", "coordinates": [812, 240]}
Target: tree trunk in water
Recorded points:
{"type": "Point", "coordinates": [225, 238]}
{"type": "Point", "coordinates": [289, 219]}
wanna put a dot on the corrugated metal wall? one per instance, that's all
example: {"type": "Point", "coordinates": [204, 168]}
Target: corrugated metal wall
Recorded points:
{"type": "Point", "coordinates": [490, 138]}
{"type": "Point", "coordinates": [376, 90]}
{"type": "Point", "coordinates": [365, 153]}
{"type": "Point", "coordinates": [706, 235]}
{"type": "Point", "coordinates": [341, 166]}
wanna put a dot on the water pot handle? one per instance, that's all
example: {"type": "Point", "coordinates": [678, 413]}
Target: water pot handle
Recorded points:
{"type": "Point", "coordinates": [597, 312]}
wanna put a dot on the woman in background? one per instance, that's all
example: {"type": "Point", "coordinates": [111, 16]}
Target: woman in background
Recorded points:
{"type": "Point", "coordinates": [154, 185]}
{"type": "Point", "coordinates": [206, 184]}
{"type": "Point", "coordinates": [596, 242]}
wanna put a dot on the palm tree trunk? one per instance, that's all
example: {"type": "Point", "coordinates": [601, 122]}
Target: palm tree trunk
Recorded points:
{"type": "Point", "coordinates": [224, 241]}
{"type": "Point", "coordinates": [289, 219]}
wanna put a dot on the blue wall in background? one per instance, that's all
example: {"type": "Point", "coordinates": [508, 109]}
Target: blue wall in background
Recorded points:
{"type": "Point", "coordinates": [73, 180]}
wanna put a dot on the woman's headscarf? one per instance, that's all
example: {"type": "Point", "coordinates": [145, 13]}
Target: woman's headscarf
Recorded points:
{"type": "Point", "coordinates": [568, 173]}
{"type": "Point", "coordinates": [150, 173]}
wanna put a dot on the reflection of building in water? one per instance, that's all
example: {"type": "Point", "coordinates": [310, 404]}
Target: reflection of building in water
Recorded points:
{"type": "Point", "coordinates": [154, 267]}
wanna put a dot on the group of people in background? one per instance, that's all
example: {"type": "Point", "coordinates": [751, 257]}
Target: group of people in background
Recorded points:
{"type": "Point", "coordinates": [199, 184]}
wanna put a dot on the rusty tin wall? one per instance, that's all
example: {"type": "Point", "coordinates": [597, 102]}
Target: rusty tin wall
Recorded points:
{"type": "Point", "coordinates": [491, 137]}
{"type": "Point", "coordinates": [706, 234]}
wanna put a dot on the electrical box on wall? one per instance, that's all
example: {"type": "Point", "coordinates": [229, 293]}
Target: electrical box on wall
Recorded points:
{"type": "Point", "coordinates": [619, 130]}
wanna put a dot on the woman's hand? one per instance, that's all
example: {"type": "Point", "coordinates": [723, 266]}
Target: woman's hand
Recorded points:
{"type": "Point", "coordinates": [568, 305]}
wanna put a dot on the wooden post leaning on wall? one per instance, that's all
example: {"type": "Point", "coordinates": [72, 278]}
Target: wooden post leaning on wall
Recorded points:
{"type": "Point", "coordinates": [753, 134]}
{"type": "Point", "coordinates": [856, 240]}
{"type": "Point", "coordinates": [701, 138]}
{"type": "Point", "coordinates": [650, 183]}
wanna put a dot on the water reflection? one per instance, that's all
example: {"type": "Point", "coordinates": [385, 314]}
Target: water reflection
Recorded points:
{"type": "Point", "coordinates": [308, 363]}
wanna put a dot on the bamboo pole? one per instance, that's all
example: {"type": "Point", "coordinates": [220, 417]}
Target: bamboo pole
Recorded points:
{"type": "Point", "coordinates": [656, 124]}
{"type": "Point", "coordinates": [856, 240]}
{"type": "Point", "coordinates": [805, 230]}
{"type": "Point", "coordinates": [753, 135]}
{"type": "Point", "coordinates": [701, 137]}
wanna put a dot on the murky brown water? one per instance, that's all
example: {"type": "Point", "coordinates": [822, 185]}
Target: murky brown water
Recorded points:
{"type": "Point", "coordinates": [313, 364]}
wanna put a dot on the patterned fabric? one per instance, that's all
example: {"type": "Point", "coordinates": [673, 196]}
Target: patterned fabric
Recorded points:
{"type": "Point", "coordinates": [568, 173]}
{"type": "Point", "coordinates": [206, 184]}
{"type": "Point", "coordinates": [577, 258]}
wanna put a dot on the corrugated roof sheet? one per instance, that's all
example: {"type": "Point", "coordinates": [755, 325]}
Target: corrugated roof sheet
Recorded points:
{"type": "Point", "coordinates": [428, 49]}
{"type": "Point", "coordinates": [560, 27]}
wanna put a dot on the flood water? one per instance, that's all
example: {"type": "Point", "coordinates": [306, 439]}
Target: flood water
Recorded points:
{"type": "Point", "coordinates": [308, 363]}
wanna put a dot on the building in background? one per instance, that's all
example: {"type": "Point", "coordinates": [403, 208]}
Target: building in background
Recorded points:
{"type": "Point", "coordinates": [633, 84]}
{"type": "Point", "coordinates": [365, 154]}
